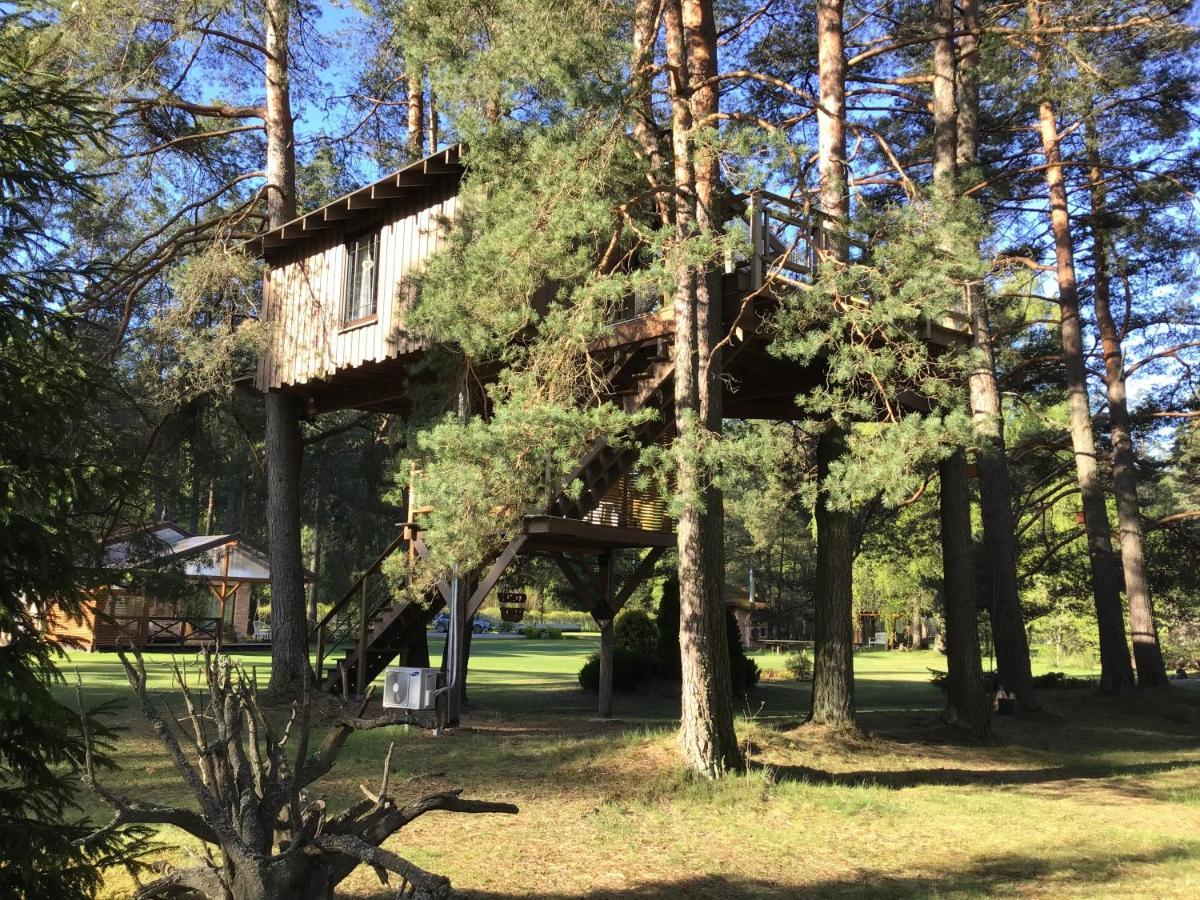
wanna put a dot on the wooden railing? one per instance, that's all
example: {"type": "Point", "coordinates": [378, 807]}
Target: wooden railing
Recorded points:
{"type": "Point", "coordinates": [625, 504]}
{"type": "Point", "coordinates": [145, 630]}
{"type": "Point", "coordinates": [349, 619]}
{"type": "Point", "coordinates": [788, 238]}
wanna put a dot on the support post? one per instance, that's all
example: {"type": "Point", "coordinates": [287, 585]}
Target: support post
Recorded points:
{"type": "Point", "coordinates": [453, 653]}
{"type": "Point", "coordinates": [605, 607]}
{"type": "Point", "coordinates": [360, 681]}
{"type": "Point", "coordinates": [606, 669]}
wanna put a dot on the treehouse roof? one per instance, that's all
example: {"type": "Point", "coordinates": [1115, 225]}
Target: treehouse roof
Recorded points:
{"type": "Point", "coordinates": [362, 202]}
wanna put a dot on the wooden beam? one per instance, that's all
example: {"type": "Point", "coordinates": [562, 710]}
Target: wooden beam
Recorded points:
{"type": "Point", "coordinates": [493, 574]}
{"type": "Point", "coordinates": [443, 586]}
{"type": "Point", "coordinates": [336, 213]}
{"type": "Point", "coordinates": [314, 222]}
{"type": "Point", "coordinates": [588, 535]}
{"type": "Point", "coordinates": [640, 574]}
{"type": "Point", "coordinates": [363, 200]}
{"type": "Point", "coordinates": [435, 167]}
{"type": "Point", "coordinates": [585, 591]}
{"type": "Point", "coordinates": [387, 191]}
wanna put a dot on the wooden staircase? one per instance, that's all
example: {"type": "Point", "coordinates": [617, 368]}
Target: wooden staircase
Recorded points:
{"type": "Point", "coordinates": [369, 627]}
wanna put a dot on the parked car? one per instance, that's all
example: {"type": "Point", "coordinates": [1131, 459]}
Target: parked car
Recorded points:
{"type": "Point", "coordinates": [441, 623]}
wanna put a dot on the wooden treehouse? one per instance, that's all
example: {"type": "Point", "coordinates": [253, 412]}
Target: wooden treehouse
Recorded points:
{"type": "Point", "coordinates": [336, 295]}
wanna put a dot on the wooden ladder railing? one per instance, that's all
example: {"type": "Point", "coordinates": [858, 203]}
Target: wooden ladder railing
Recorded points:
{"type": "Point", "coordinates": [352, 613]}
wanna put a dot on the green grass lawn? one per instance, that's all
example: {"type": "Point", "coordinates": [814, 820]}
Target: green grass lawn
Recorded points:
{"type": "Point", "coordinates": [1095, 798]}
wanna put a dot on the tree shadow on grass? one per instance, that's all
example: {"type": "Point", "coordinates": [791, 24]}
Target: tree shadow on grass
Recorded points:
{"type": "Point", "coordinates": [955, 777]}
{"type": "Point", "coordinates": [1000, 875]}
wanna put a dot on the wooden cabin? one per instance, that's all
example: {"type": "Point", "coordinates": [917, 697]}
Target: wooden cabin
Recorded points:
{"type": "Point", "coordinates": [175, 589]}
{"type": "Point", "coordinates": [337, 287]}
{"type": "Point", "coordinates": [751, 619]}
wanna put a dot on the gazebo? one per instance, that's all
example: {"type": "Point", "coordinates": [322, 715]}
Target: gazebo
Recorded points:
{"type": "Point", "coordinates": [175, 589]}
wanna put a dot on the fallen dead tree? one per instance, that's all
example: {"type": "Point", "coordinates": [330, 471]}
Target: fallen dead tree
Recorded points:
{"type": "Point", "coordinates": [265, 836]}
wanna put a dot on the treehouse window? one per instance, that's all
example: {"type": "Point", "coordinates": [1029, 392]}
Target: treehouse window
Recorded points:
{"type": "Point", "coordinates": [362, 278]}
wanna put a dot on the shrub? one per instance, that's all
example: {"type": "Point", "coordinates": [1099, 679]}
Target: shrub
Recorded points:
{"type": "Point", "coordinates": [743, 671]}
{"type": "Point", "coordinates": [667, 624]}
{"type": "Point", "coordinates": [554, 617]}
{"type": "Point", "coordinates": [1061, 680]}
{"type": "Point", "coordinates": [629, 671]}
{"type": "Point", "coordinates": [633, 630]}
{"type": "Point", "coordinates": [541, 632]}
{"type": "Point", "coordinates": [799, 665]}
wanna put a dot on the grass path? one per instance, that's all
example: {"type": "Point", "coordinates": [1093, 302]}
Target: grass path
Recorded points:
{"type": "Point", "coordinates": [1097, 798]}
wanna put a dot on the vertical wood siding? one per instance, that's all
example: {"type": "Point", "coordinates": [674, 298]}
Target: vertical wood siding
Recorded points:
{"type": "Point", "coordinates": [303, 292]}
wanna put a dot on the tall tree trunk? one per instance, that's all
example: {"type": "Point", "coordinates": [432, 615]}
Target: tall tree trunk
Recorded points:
{"type": "Point", "coordinates": [833, 601]}
{"type": "Point", "coordinates": [833, 604]}
{"type": "Point", "coordinates": [432, 132]}
{"type": "Point", "coordinates": [964, 695]}
{"type": "Point", "coordinates": [1147, 654]}
{"type": "Point", "coordinates": [706, 734]}
{"type": "Point", "coordinates": [1116, 672]}
{"type": "Point", "coordinates": [416, 115]}
{"type": "Point", "coordinates": [284, 451]}
{"type": "Point", "coordinates": [647, 15]}
{"type": "Point", "coordinates": [1003, 599]}
{"type": "Point", "coordinates": [966, 702]}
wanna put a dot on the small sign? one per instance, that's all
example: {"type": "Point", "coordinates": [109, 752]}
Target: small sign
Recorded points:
{"type": "Point", "coordinates": [512, 606]}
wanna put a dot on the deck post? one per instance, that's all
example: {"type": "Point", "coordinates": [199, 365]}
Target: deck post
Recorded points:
{"type": "Point", "coordinates": [452, 652]}
{"type": "Point", "coordinates": [606, 669]}
{"type": "Point", "coordinates": [607, 570]}
{"type": "Point", "coordinates": [756, 243]}
{"type": "Point", "coordinates": [360, 681]}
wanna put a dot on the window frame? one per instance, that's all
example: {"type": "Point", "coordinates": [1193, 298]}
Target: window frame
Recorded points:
{"type": "Point", "coordinates": [350, 246]}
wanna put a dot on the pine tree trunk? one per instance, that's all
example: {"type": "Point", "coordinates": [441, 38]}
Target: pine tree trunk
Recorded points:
{"type": "Point", "coordinates": [1003, 600]}
{"type": "Point", "coordinates": [1147, 654]}
{"type": "Point", "coordinates": [964, 680]}
{"type": "Point", "coordinates": [1116, 672]}
{"type": "Point", "coordinates": [289, 631]}
{"type": "Point", "coordinates": [416, 116]}
{"type": "Point", "coordinates": [706, 735]}
{"type": "Point", "coordinates": [284, 451]}
{"type": "Point", "coordinates": [966, 703]}
{"type": "Point", "coordinates": [833, 603]}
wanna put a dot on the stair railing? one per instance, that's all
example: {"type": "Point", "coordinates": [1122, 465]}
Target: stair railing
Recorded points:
{"type": "Point", "coordinates": [351, 615]}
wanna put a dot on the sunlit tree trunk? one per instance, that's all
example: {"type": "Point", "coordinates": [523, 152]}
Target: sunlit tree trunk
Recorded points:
{"type": "Point", "coordinates": [965, 705]}
{"type": "Point", "coordinates": [1116, 672]}
{"type": "Point", "coordinates": [706, 736]}
{"type": "Point", "coordinates": [833, 664]}
{"type": "Point", "coordinates": [1147, 654]}
{"type": "Point", "coordinates": [289, 632]}
{"type": "Point", "coordinates": [415, 143]}
{"type": "Point", "coordinates": [1003, 598]}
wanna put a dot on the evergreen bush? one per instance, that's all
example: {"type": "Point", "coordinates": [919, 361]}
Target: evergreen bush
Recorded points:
{"type": "Point", "coordinates": [629, 671]}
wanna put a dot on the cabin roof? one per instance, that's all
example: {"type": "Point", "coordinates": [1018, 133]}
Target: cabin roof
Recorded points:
{"type": "Point", "coordinates": [396, 186]}
{"type": "Point", "coordinates": [201, 556]}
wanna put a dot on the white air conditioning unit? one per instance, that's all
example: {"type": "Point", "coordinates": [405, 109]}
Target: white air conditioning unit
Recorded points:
{"type": "Point", "coordinates": [405, 688]}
